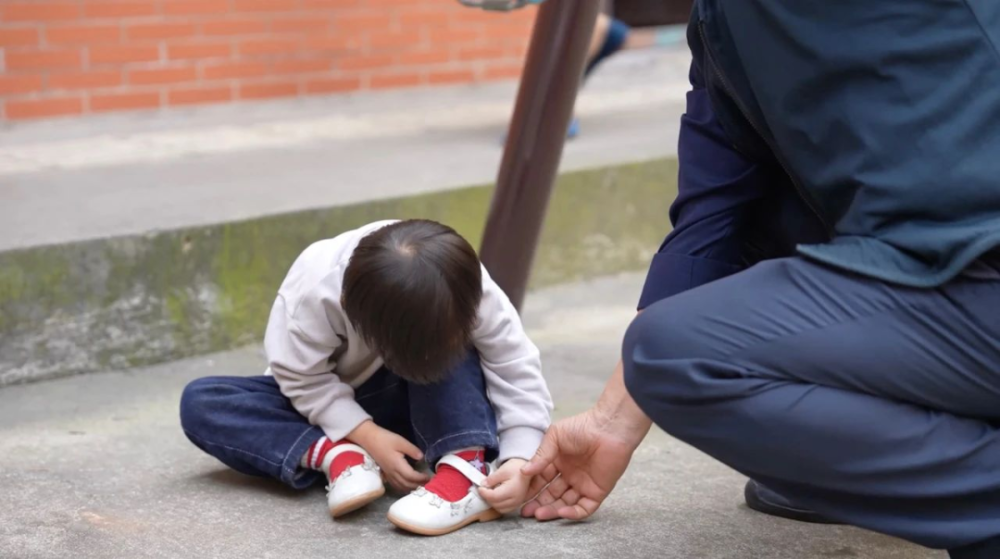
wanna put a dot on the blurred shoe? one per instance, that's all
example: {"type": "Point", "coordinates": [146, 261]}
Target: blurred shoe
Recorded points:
{"type": "Point", "coordinates": [764, 500]}
{"type": "Point", "coordinates": [614, 41]}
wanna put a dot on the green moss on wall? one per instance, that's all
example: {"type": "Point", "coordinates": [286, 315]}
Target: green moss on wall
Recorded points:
{"type": "Point", "coordinates": [149, 298]}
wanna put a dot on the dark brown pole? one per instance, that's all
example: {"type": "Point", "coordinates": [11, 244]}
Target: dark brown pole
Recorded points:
{"type": "Point", "coordinates": [551, 78]}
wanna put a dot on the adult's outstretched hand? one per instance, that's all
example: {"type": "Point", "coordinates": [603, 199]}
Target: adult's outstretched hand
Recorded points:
{"type": "Point", "coordinates": [580, 460]}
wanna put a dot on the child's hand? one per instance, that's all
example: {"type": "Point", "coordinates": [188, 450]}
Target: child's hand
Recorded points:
{"type": "Point", "coordinates": [507, 489]}
{"type": "Point", "coordinates": [389, 451]}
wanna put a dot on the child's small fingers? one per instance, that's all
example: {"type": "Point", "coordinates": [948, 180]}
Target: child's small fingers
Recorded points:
{"type": "Point", "coordinates": [505, 507]}
{"type": "Point", "coordinates": [395, 483]}
{"type": "Point", "coordinates": [413, 476]}
{"type": "Point", "coordinates": [409, 449]}
{"type": "Point", "coordinates": [487, 494]}
{"type": "Point", "coordinates": [497, 478]}
{"type": "Point", "coordinates": [405, 484]}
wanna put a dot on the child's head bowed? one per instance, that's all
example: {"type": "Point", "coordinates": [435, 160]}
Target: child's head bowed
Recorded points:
{"type": "Point", "coordinates": [412, 292]}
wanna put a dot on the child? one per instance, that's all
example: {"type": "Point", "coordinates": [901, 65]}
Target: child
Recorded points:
{"type": "Point", "coordinates": [386, 344]}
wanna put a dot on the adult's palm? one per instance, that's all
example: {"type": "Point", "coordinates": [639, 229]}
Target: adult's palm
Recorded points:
{"type": "Point", "coordinates": [581, 461]}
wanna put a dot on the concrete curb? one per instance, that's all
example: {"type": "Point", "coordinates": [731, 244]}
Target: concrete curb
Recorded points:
{"type": "Point", "coordinates": [125, 302]}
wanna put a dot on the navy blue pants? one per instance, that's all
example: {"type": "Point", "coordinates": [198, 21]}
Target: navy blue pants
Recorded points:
{"type": "Point", "coordinates": [251, 427]}
{"type": "Point", "coordinates": [873, 404]}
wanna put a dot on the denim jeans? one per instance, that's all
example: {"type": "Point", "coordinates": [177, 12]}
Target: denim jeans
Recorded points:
{"type": "Point", "coordinates": [248, 424]}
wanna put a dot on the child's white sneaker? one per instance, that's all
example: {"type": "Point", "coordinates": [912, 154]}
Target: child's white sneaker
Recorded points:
{"type": "Point", "coordinates": [427, 514]}
{"type": "Point", "coordinates": [355, 486]}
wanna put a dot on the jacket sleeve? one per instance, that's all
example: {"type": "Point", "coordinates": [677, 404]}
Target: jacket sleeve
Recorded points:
{"type": "Point", "coordinates": [513, 371]}
{"type": "Point", "coordinates": [717, 189]}
{"type": "Point", "coordinates": [299, 352]}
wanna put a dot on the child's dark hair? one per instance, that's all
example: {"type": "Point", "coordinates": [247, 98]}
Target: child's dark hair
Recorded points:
{"type": "Point", "coordinates": [412, 291]}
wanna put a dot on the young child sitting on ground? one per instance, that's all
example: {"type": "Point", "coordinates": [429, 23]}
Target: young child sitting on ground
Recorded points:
{"type": "Point", "coordinates": [386, 344]}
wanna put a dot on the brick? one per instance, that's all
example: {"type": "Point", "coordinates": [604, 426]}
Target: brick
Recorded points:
{"type": "Point", "coordinates": [421, 58]}
{"type": "Point", "coordinates": [330, 4]}
{"type": "Point", "coordinates": [85, 80]}
{"type": "Point", "coordinates": [234, 70]}
{"type": "Point", "coordinates": [451, 76]}
{"type": "Point", "coordinates": [82, 34]}
{"type": "Point", "coordinates": [302, 66]}
{"type": "Point", "coordinates": [394, 40]}
{"type": "Point", "coordinates": [39, 108]}
{"type": "Point", "coordinates": [311, 25]}
{"type": "Point", "coordinates": [428, 18]}
{"type": "Point", "coordinates": [123, 101]}
{"type": "Point", "coordinates": [268, 90]}
{"type": "Point", "coordinates": [384, 81]}
{"type": "Point", "coordinates": [260, 5]}
{"type": "Point", "coordinates": [12, 85]}
{"type": "Point", "coordinates": [331, 43]}
{"type": "Point", "coordinates": [160, 76]}
{"type": "Point", "coordinates": [481, 53]}
{"type": "Point", "coordinates": [116, 9]}
{"type": "Point", "coordinates": [503, 72]}
{"type": "Point", "coordinates": [155, 31]}
{"type": "Point", "coordinates": [363, 21]}
{"type": "Point", "coordinates": [508, 32]}
{"type": "Point", "coordinates": [42, 59]}
{"type": "Point", "coordinates": [455, 36]}
{"type": "Point", "coordinates": [364, 62]}
{"type": "Point", "coordinates": [395, 4]}
{"type": "Point", "coordinates": [268, 46]}
{"type": "Point", "coordinates": [39, 11]}
{"type": "Point", "coordinates": [195, 7]}
{"type": "Point", "coordinates": [234, 27]}
{"type": "Point", "coordinates": [19, 37]}
{"type": "Point", "coordinates": [198, 51]}
{"type": "Point", "coordinates": [332, 85]}
{"type": "Point", "coordinates": [465, 18]}
{"type": "Point", "coordinates": [199, 95]}
{"type": "Point", "coordinates": [121, 54]}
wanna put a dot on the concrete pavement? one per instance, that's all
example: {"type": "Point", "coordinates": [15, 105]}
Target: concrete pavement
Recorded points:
{"type": "Point", "coordinates": [96, 466]}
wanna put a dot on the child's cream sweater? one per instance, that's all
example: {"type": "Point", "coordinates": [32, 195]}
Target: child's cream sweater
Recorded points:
{"type": "Point", "coordinates": [318, 359]}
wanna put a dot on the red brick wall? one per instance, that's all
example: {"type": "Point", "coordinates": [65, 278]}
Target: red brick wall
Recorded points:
{"type": "Point", "coordinates": [70, 57]}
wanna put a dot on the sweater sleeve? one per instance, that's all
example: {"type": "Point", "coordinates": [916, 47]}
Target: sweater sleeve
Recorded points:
{"type": "Point", "coordinates": [303, 368]}
{"type": "Point", "coordinates": [513, 371]}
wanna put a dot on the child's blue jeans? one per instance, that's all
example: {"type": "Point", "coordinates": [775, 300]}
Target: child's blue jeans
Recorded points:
{"type": "Point", "coordinates": [251, 427]}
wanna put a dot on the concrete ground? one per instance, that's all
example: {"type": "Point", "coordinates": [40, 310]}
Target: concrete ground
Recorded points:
{"type": "Point", "coordinates": [72, 180]}
{"type": "Point", "coordinates": [96, 467]}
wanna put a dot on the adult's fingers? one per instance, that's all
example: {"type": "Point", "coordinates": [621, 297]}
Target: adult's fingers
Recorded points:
{"type": "Point", "coordinates": [539, 482]}
{"type": "Point", "coordinates": [570, 497]}
{"type": "Point", "coordinates": [581, 510]}
{"type": "Point", "coordinates": [553, 492]}
{"type": "Point", "coordinates": [546, 453]}
{"type": "Point", "coordinates": [548, 512]}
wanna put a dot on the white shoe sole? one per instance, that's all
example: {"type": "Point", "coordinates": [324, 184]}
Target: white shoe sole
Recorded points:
{"type": "Point", "coordinates": [487, 515]}
{"type": "Point", "coordinates": [356, 503]}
